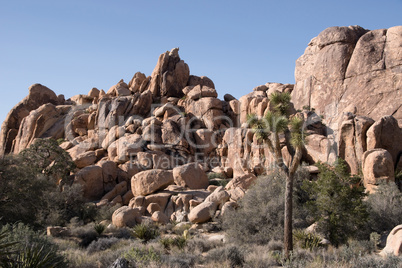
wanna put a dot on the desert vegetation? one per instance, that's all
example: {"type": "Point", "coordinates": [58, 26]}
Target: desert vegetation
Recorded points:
{"type": "Point", "coordinates": [250, 236]}
{"type": "Point", "coordinates": [159, 172]}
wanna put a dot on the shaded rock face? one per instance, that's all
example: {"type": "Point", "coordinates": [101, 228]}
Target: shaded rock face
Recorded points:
{"type": "Point", "coordinates": [38, 95]}
{"type": "Point", "coordinates": [346, 66]}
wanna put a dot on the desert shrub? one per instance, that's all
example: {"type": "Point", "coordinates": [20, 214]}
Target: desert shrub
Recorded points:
{"type": "Point", "coordinates": [32, 249]}
{"type": "Point", "coordinates": [105, 212]}
{"type": "Point", "coordinates": [385, 209]}
{"type": "Point", "coordinates": [145, 231]}
{"type": "Point", "coordinates": [178, 261]}
{"type": "Point", "coordinates": [180, 229]}
{"type": "Point", "coordinates": [143, 256]}
{"type": "Point", "coordinates": [99, 228]}
{"type": "Point", "coordinates": [306, 240]}
{"type": "Point", "coordinates": [35, 186]}
{"type": "Point", "coordinates": [275, 245]}
{"type": "Point", "coordinates": [373, 261]}
{"type": "Point", "coordinates": [21, 192]}
{"type": "Point", "coordinates": [260, 215]}
{"type": "Point", "coordinates": [336, 204]}
{"type": "Point", "coordinates": [6, 247]}
{"type": "Point", "coordinates": [258, 256]}
{"type": "Point", "coordinates": [44, 156]}
{"type": "Point", "coordinates": [216, 175]}
{"type": "Point", "coordinates": [231, 254]}
{"type": "Point", "coordinates": [218, 179]}
{"type": "Point", "coordinates": [169, 242]}
{"type": "Point", "coordinates": [101, 244]}
{"type": "Point", "coordinates": [200, 245]}
{"type": "Point", "coordinates": [86, 234]}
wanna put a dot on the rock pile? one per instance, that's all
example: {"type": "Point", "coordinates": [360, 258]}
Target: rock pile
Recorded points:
{"type": "Point", "coordinates": [150, 145]}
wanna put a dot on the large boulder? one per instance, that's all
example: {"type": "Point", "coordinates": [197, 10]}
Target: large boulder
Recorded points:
{"type": "Point", "coordinates": [219, 196]}
{"type": "Point", "coordinates": [346, 66]}
{"type": "Point", "coordinates": [149, 181]}
{"type": "Point", "coordinates": [386, 134]}
{"type": "Point", "coordinates": [38, 95]}
{"type": "Point", "coordinates": [125, 216]}
{"type": "Point", "coordinates": [244, 182]}
{"type": "Point", "coordinates": [377, 167]}
{"type": "Point", "coordinates": [135, 83]}
{"type": "Point", "coordinates": [91, 179]}
{"type": "Point", "coordinates": [394, 243]}
{"type": "Point", "coordinates": [119, 189]}
{"type": "Point", "coordinates": [85, 159]}
{"type": "Point", "coordinates": [190, 175]}
{"type": "Point", "coordinates": [125, 148]}
{"type": "Point", "coordinates": [120, 89]}
{"type": "Point", "coordinates": [203, 212]}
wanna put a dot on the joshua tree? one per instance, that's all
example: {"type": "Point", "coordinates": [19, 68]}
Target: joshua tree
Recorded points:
{"type": "Point", "coordinates": [267, 129]}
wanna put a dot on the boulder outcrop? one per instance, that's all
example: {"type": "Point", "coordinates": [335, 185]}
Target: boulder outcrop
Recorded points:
{"type": "Point", "coordinates": [377, 167]}
{"type": "Point", "coordinates": [351, 66]}
{"type": "Point", "coordinates": [151, 145]}
{"type": "Point", "coordinates": [38, 96]}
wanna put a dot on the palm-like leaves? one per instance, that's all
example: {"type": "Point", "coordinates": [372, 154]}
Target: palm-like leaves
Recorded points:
{"type": "Point", "coordinates": [296, 130]}
{"type": "Point", "coordinates": [6, 248]}
{"type": "Point", "coordinates": [280, 102]}
{"type": "Point", "coordinates": [270, 123]}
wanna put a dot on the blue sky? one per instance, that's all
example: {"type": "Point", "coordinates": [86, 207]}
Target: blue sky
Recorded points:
{"type": "Point", "coordinates": [72, 46]}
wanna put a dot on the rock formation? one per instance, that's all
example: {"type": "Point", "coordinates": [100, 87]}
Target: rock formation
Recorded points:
{"type": "Point", "coordinates": [150, 145]}
{"type": "Point", "coordinates": [351, 69]}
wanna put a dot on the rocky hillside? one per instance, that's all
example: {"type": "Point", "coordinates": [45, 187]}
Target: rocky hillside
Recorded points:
{"type": "Point", "coordinates": [151, 144]}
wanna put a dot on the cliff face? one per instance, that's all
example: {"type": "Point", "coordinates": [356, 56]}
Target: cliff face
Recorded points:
{"type": "Point", "coordinates": [350, 69]}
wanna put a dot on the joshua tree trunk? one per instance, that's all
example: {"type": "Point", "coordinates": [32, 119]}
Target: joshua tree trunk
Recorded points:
{"type": "Point", "coordinates": [288, 236]}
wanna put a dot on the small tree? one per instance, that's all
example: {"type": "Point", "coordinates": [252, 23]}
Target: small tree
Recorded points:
{"type": "Point", "coordinates": [336, 202]}
{"type": "Point", "coordinates": [268, 129]}
{"type": "Point", "coordinates": [45, 156]}
{"type": "Point", "coordinates": [30, 189]}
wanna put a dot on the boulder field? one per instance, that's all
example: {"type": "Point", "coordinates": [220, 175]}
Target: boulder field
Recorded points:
{"type": "Point", "coordinates": [155, 144]}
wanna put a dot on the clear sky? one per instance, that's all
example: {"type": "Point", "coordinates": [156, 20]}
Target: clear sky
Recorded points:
{"type": "Point", "coordinates": [71, 46]}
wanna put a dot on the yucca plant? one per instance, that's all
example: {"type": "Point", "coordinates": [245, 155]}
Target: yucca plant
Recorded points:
{"type": "Point", "coordinates": [7, 249]}
{"type": "Point", "coordinates": [37, 256]}
{"type": "Point", "coordinates": [307, 240]}
{"type": "Point", "coordinates": [145, 232]}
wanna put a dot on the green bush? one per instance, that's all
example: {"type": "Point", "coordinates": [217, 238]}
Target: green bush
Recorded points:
{"type": "Point", "coordinates": [336, 204]}
{"type": "Point", "coordinates": [86, 234]}
{"type": "Point", "coordinates": [32, 250]}
{"type": "Point", "coordinates": [260, 215]}
{"type": "Point", "coordinates": [143, 257]}
{"type": "Point", "coordinates": [233, 255]}
{"type": "Point", "coordinates": [306, 240]}
{"type": "Point", "coordinates": [99, 228]}
{"type": "Point", "coordinates": [169, 242]}
{"type": "Point", "coordinates": [145, 232]}
{"type": "Point", "coordinates": [101, 244]}
{"type": "Point", "coordinates": [385, 209]}
{"type": "Point", "coordinates": [35, 187]}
